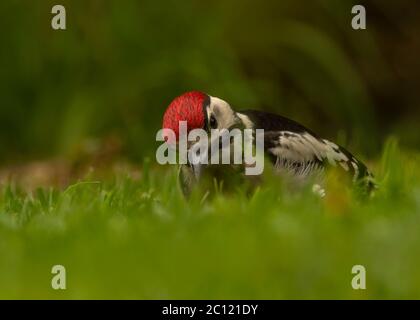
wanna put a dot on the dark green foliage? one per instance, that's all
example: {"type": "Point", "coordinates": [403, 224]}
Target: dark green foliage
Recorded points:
{"type": "Point", "coordinates": [117, 66]}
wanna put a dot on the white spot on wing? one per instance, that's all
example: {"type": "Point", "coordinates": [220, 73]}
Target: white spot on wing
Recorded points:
{"type": "Point", "coordinates": [298, 147]}
{"type": "Point", "coordinates": [344, 165]}
{"type": "Point", "coordinates": [304, 147]}
{"type": "Point", "coordinates": [332, 155]}
{"type": "Point", "coordinates": [356, 170]}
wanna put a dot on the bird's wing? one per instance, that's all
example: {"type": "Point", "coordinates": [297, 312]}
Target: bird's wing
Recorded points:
{"type": "Point", "coordinates": [303, 152]}
{"type": "Point", "coordinates": [291, 145]}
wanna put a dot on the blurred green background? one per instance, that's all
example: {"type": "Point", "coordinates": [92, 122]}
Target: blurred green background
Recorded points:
{"type": "Point", "coordinates": [112, 73]}
{"type": "Point", "coordinates": [91, 98]}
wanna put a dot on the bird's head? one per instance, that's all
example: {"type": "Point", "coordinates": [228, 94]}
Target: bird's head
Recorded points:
{"type": "Point", "coordinates": [200, 111]}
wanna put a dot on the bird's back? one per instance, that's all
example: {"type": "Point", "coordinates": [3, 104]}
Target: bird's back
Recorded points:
{"type": "Point", "coordinates": [293, 147]}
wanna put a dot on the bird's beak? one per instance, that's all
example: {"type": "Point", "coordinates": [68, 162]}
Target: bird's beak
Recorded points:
{"type": "Point", "coordinates": [201, 152]}
{"type": "Point", "coordinates": [196, 168]}
{"type": "Point", "coordinates": [196, 158]}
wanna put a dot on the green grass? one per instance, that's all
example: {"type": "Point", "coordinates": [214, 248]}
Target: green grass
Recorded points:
{"type": "Point", "coordinates": [142, 240]}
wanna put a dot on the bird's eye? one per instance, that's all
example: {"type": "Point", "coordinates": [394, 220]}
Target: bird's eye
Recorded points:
{"type": "Point", "coordinates": [213, 122]}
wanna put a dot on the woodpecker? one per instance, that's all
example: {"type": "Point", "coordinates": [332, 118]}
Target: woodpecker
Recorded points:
{"type": "Point", "coordinates": [290, 147]}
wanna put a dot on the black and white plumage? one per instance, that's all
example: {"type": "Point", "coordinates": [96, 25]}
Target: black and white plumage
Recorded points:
{"type": "Point", "coordinates": [298, 150]}
{"type": "Point", "coordinates": [292, 148]}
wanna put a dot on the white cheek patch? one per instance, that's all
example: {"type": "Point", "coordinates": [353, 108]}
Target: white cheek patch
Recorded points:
{"type": "Point", "coordinates": [223, 112]}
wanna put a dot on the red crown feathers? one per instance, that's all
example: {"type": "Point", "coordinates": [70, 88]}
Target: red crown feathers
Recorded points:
{"type": "Point", "coordinates": [187, 107]}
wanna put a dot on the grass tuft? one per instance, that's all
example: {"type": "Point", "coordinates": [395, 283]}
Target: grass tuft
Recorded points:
{"type": "Point", "coordinates": [126, 238]}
